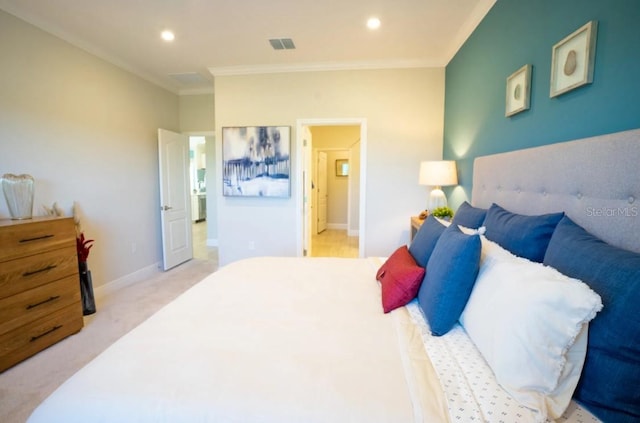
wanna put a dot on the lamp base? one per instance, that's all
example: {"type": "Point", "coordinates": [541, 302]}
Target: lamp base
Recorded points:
{"type": "Point", "coordinates": [436, 199]}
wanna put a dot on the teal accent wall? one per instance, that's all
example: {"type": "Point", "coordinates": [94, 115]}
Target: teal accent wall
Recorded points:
{"type": "Point", "coordinates": [519, 32]}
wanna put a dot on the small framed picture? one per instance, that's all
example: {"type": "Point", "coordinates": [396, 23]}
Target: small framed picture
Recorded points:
{"type": "Point", "coordinates": [342, 167]}
{"type": "Point", "coordinates": [518, 91]}
{"type": "Point", "coordinates": [572, 60]}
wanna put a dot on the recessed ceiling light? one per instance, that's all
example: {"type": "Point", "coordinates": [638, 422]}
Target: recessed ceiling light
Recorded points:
{"type": "Point", "coordinates": [167, 35]}
{"type": "Point", "coordinates": [373, 23]}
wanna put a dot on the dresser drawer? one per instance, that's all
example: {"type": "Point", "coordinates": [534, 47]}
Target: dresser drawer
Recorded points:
{"type": "Point", "coordinates": [33, 304]}
{"type": "Point", "coordinates": [27, 340]}
{"type": "Point", "coordinates": [29, 237]}
{"type": "Point", "coordinates": [29, 272]}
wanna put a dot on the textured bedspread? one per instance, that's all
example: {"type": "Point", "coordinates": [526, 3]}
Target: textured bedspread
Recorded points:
{"type": "Point", "coordinates": [263, 340]}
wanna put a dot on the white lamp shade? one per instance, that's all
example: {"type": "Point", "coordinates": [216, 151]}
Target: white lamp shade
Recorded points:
{"type": "Point", "coordinates": [438, 173]}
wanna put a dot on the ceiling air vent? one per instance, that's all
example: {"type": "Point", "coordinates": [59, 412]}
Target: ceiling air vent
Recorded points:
{"type": "Point", "coordinates": [282, 44]}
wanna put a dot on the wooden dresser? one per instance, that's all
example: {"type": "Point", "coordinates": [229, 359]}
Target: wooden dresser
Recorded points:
{"type": "Point", "coordinates": [39, 286]}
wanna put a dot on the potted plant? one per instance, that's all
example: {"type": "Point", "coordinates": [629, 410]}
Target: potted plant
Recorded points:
{"type": "Point", "coordinates": [443, 213]}
{"type": "Point", "coordinates": [86, 287]}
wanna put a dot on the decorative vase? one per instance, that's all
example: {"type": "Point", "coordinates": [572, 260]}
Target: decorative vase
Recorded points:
{"type": "Point", "coordinates": [86, 289]}
{"type": "Point", "coordinates": [18, 191]}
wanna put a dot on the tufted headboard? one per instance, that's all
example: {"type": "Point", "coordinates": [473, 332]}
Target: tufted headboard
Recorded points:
{"type": "Point", "coordinates": [595, 181]}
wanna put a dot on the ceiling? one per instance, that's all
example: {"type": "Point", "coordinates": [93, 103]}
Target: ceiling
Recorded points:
{"type": "Point", "coordinates": [224, 37]}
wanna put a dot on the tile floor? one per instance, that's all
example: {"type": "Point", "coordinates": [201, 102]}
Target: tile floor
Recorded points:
{"type": "Point", "coordinates": [334, 243]}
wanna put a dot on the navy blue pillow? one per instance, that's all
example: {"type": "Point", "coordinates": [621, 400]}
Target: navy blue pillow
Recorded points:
{"type": "Point", "coordinates": [469, 216]}
{"type": "Point", "coordinates": [609, 385]}
{"type": "Point", "coordinates": [451, 274]}
{"type": "Point", "coordinates": [425, 240]}
{"type": "Point", "coordinates": [524, 236]}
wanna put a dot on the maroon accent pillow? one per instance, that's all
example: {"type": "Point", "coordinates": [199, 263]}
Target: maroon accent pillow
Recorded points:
{"type": "Point", "coordinates": [400, 277]}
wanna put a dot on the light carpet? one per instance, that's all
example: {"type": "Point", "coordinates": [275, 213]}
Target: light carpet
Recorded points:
{"type": "Point", "coordinates": [27, 384]}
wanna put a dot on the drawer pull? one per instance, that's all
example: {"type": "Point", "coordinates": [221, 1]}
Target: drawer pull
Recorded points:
{"type": "Point", "coordinates": [44, 269]}
{"type": "Point", "coordinates": [53, 329]}
{"type": "Point", "coordinates": [48, 300]}
{"type": "Point", "coordinates": [38, 238]}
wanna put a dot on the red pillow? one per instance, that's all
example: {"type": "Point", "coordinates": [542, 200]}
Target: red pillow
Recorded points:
{"type": "Point", "coordinates": [400, 277]}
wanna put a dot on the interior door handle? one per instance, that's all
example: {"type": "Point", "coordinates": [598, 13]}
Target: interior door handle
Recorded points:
{"type": "Point", "coordinates": [165, 208]}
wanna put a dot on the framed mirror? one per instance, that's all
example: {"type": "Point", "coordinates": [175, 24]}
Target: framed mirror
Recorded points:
{"type": "Point", "coordinates": [342, 167]}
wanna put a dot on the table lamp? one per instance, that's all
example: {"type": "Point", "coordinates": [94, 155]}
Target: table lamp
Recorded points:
{"type": "Point", "coordinates": [438, 174]}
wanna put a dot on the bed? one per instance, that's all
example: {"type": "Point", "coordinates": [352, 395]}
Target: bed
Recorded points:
{"type": "Point", "coordinates": [308, 340]}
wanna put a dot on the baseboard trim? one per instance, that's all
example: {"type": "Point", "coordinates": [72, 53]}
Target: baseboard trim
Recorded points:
{"type": "Point", "coordinates": [353, 232]}
{"type": "Point", "coordinates": [340, 226]}
{"type": "Point", "coordinates": [126, 280]}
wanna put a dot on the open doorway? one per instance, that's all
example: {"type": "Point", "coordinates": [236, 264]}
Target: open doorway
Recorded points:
{"type": "Point", "coordinates": [200, 213]}
{"type": "Point", "coordinates": [334, 231]}
{"type": "Point", "coordinates": [333, 187]}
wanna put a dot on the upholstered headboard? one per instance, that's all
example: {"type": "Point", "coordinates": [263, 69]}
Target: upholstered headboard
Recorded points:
{"type": "Point", "coordinates": [595, 181]}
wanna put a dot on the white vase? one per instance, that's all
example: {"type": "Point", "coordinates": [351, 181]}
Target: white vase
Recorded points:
{"type": "Point", "coordinates": [18, 191]}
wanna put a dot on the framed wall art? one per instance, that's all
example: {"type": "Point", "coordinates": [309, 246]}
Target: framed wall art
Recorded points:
{"type": "Point", "coordinates": [518, 91]}
{"type": "Point", "coordinates": [572, 60]}
{"type": "Point", "coordinates": [342, 167]}
{"type": "Point", "coordinates": [256, 161]}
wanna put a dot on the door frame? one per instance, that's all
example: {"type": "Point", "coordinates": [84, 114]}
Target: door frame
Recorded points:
{"type": "Point", "coordinates": [303, 186]}
{"type": "Point", "coordinates": [210, 180]}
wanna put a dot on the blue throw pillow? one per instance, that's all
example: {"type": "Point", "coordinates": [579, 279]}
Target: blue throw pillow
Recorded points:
{"type": "Point", "coordinates": [524, 236]}
{"type": "Point", "coordinates": [469, 216]}
{"type": "Point", "coordinates": [610, 382]}
{"type": "Point", "coordinates": [425, 240]}
{"type": "Point", "coordinates": [451, 274]}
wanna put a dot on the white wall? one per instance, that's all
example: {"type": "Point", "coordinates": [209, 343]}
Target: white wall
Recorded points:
{"type": "Point", "coordinates": [87, 131]}
{"type": "Point", "coordinates": [197, 113]}
{"type": "Point", "coordinates": [404, 110]}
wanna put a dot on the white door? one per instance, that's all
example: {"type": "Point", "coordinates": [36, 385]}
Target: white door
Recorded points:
{"type": "Point", "coordinates": [175, 207]}
{"type": "Point", "coordinates": [322, 191]}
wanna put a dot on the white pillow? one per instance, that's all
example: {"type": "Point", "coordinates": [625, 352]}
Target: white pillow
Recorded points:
{"type": "Point", "coordinates": [467, 231]}
{"type": "Point", "coordinates": [529, 321]}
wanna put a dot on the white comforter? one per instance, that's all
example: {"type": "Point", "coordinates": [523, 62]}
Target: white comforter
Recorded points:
{"type": "Point", "coordinates": [263, 340]}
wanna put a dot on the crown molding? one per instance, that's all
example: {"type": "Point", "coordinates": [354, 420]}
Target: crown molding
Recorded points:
{"type": "Point", "coordinates": [89, 48]}
{"type": "Point", "coordinates": [322, 67]}
{"type": "Point", "coordinates": [477, 15]}
{"type": "Point", "coordinates": [197, 91]}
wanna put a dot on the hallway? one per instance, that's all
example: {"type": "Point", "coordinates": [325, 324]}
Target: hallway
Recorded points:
{"type": "Point", "coordinates": [200, 249]}
{"type": "Point", "coordinates": [334, 243]}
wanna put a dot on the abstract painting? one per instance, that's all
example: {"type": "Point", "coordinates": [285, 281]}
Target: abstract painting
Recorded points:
{"type": "Point", "coordinates": [256, 161]}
